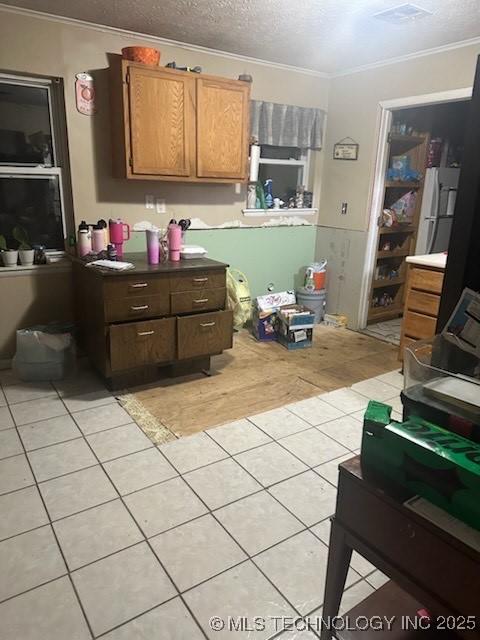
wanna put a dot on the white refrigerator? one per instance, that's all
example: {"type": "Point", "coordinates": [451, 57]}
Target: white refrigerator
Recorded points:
{"type": "Point", "coordinates": [436, 214]}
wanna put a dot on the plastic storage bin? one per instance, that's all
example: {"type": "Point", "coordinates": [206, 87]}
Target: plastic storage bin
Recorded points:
{"type": "Point", "coordinates": [45, 352]}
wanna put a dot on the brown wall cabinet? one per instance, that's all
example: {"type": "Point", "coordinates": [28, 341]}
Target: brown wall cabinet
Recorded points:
{"type": "Point", "coordinates": [178, 126]}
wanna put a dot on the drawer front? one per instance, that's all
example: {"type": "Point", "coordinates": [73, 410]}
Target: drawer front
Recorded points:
{"type": "Point", "coordinates": [416, 325]}
{"type": "Point", "coordinates": [426, 303]}
{"type": "Point", "coordinates": [198, 280]}
{"type": "Point", "coordinates": [426, 280]}
{"type": "Point", "coordinates": [192, 301]}
{"type": "Point", "coordinates": [204, 334]}
{"type": "Point", "coordinates": [136, 308]}
{"type": "Point", "coordinates": [427, 559]}
{"type": "Point", "coordinates": [140, 343]}
{"type": "Point", "coordinates": [132, 286]}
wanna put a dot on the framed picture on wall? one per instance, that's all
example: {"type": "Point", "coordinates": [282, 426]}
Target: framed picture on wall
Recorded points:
{"type": "Point", "coordinates": [344, 150]}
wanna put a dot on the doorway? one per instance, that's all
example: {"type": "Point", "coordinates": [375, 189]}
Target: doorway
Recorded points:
{"type": "Point", "coordinates": [419, 154]}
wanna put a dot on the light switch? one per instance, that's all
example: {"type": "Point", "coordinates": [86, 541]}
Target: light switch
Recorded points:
{"type": "Point", "coordinates": [160, 205]}
{"type": "Point", "coordinates": [344, 208]}
{"type": "Point", "coordinates": [149, 202]}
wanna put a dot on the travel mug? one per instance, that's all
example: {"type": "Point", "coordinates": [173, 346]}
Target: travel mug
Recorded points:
{"type": "Point", "coordinates": [153, 246]}
{"type": "Point", "coordinates": [174, 242]}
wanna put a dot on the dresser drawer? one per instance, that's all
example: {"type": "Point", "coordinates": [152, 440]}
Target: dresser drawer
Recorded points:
{"type": "Point", "coordinates": [416, 325]}
{"type": "Point", "coordinates": [198, 280]}
{"type": "Point", "coordinates": [140, 343]}
{"type": "Point", "coordinates": [204, 334]}
{"type": "Point", "coordinates": [136, 308]}
{"type": "Point", "coordinates": [422, 302]}
{"type": "Point", "coordinates": [426, 280]}
{"type": "Point", "coordinates": [204, 300]}
{"type": "Point", "coordinates": [130, 286]}
{"type": "Point", "coordinates": [417, 553]}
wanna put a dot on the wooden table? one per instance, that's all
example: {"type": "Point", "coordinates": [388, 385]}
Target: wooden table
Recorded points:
{"type": "Point", "coordinates": [430, 565]}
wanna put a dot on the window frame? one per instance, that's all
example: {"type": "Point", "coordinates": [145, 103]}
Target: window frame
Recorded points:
{"type": "Point", "coordinates": [303, 164]}
{"type": "Point", "coordinates": [59, 167]}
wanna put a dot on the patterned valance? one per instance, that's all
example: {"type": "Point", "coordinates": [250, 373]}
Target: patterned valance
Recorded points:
{"type": "Point", "coordinates": [285, 125]}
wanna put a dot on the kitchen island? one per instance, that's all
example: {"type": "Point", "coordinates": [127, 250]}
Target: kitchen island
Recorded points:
{"type": "Point", "coordinates": [422, 300]}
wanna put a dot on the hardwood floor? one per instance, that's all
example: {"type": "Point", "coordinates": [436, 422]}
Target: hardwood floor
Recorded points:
{"type": "Point", "coordinates": [258, 376]}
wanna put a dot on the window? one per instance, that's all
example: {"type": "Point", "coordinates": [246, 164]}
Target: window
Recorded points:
{"type": "Point", "coordinates": [288, 167]}
{"type": "Point", "coordinates": [32, 167]}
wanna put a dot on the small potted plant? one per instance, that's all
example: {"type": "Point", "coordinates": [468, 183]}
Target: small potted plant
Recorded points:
{"type": "Point", "coordinates": [24, 249]}
{"type": "Point", "coordinates": [9, 256]}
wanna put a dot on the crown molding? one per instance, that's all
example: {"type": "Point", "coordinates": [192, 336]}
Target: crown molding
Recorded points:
{"type": "Point", "coordinates": [408, 56]}
{"type": "Point", "coordinates": [157, 40]}
{"type": "Point", "coordinates": [234, 56]}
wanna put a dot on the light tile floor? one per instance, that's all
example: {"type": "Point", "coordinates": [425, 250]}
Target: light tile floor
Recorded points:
{"type": "Point", "coordinates": [102, 534]}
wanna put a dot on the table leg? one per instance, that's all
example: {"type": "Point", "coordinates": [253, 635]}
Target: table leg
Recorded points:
{"type": "Point", "coordinates": [339, 556]}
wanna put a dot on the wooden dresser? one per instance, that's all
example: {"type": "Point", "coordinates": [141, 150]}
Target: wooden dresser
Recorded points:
{"type": "Point", "coordinates": [422, 299]}
{"type": "Point", "coordinates": [166, 319]}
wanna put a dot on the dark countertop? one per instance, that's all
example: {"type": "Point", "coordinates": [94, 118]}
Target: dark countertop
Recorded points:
{"type": "Point", "coordinates": [142, 266]}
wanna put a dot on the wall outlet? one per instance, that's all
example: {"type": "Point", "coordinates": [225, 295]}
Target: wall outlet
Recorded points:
{"type": "Point", "coordinates": [161, 205]}
{"type": "Point", "coordinates": [344, 208]}
{"type": "Point", "coordinates": [149, 202]}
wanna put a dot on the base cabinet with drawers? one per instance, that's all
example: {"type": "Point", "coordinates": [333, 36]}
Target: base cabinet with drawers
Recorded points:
{"type": "Point", "coordinates": [422, 301]}
{"type": "Point", "coordinates": [164, 319]}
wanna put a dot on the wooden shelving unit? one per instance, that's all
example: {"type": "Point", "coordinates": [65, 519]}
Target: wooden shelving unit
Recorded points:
{"type": "Point", "coordinates": [402, 238]}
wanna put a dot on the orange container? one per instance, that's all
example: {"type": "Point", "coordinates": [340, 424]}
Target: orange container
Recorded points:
{"type": "Point", "coordinates": [319, 279]}
{"type": "Point", "coordinates": [145, 55]}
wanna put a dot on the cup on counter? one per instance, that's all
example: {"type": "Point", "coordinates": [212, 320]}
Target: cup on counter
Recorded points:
{"type": "Point", "coordinates": [153, 246]}
{"type": "Point", "coordinates": [174, 242]}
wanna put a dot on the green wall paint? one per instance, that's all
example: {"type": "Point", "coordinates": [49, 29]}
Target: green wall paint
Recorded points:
{"type": "Point", "coordinates": [264, 254]}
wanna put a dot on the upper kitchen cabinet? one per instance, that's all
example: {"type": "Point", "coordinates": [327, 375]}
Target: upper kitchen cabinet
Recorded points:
{"type": "Point", "coordinates": [178, 126]}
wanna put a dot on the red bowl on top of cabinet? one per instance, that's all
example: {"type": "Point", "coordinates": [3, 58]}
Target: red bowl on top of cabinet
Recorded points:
{"type": "Point", "coordinates": [145, 55]}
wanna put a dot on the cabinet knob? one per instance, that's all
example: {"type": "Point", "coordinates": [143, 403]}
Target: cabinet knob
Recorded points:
{"type": "Point", "coordinates": [200, 279]}
{"type": "Point", "coordinates": [200, 301]}
{"type": "Point", "coordinates": [139, 285]}
{"type": "Point", "coordinates": [142, 307]}
{"type": "Point", "coordinates": [207, 324]}
{"type": "Point", "coordinates": [145, 333]}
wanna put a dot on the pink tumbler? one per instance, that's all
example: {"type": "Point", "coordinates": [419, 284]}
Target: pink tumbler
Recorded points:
{"type": "Point", "coordinates": [119, 233]}
{"type": "Point", "coordinates": [153, 246]}
{"type": "Point", "coordinates": [174, 242]}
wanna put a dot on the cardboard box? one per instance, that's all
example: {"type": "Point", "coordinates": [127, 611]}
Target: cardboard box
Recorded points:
{"type": "Point", "coordinates": [296, 316]}
{"type": "Point", "coordinates": [264, 313]}
{"type": "Point", "coordinates": [427, 460]}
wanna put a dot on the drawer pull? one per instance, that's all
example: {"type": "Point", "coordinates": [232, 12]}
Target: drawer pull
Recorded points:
{"type": "Point", "coordinates": [207, 324]}
{"type": "Point", "coordinates": [139, 285]}
{"type": "Point", "coordinates": [142, 307]}
{"type": "Point", "coordinates": [145, 333]}
{"type": "Point", "coordinates": [200, 279]}
{"type": "Point", "coordinates": [201, 301]}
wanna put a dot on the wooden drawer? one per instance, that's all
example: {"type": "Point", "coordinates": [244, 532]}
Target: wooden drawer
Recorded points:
{"type": "Point", "coordinates": [414, 550]}
{"type": "Point", "coordinates": [140, 343]}
{"type": "Point", "coordinates": [204, 334]}
{"type": "Point", "coordinates": [426, 303]}
{"type": "Point", "coordinates": [198, 280]}
{"type": "Point", "coordinates": [127, 286]}
{"type": "Point", "coordinates": [204, 300]}
{"type": "Point", "coordinates": [426, 280]}
{"type": "Point", "coordinates": [136, 308]}
{"type": "Point", "coordinates": [416, 325]}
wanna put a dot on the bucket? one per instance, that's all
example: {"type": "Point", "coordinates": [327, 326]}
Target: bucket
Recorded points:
{"type": "Point", "coordinates": [314, 300]}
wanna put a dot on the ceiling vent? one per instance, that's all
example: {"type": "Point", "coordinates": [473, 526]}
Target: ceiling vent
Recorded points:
{"type": "Point", "coordinates": [402, 13]}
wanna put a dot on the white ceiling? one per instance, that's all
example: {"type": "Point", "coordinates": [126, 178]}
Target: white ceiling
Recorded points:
{"type": "Point", "coordinates": [323, 35]}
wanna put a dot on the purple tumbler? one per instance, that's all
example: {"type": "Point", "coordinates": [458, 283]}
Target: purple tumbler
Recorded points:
{"type": "Point", "coordinates": [153, 246]}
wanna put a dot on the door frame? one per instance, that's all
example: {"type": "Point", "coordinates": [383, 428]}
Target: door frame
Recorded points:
{"type": "Point", "coordinates": [375, 201]}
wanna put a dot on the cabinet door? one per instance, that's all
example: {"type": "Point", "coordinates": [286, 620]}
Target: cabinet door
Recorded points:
{"type": "Point", "coordinates": [222, 128]}
{"type": "Point", "coordinates": [162, 122]}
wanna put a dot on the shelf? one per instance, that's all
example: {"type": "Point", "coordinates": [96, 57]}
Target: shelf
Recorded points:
{"type": "Point", "coordinates": [393, 254]}
{"type": "Point", "coordinates": [398, 137]}
{"type": "Point", "coordinates": [387, 230]}
{"type": "Point", "coordinates": [391, 602]}
{"type": "Point", "coordinates": [375, 313]}
{"type": "Point", "coordinates": [267, 213]}
{"type": "Point", "coordinates": [379, 284]}
{"type": "Point", "coordinates": [399, 184]}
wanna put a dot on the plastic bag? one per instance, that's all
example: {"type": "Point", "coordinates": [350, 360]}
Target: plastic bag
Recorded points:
{"type": "Point", "coordinates": [238, 298]}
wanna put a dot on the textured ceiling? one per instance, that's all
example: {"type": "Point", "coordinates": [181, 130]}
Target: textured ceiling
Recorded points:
{"type": "Point", "coordinates": [323, 35]}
